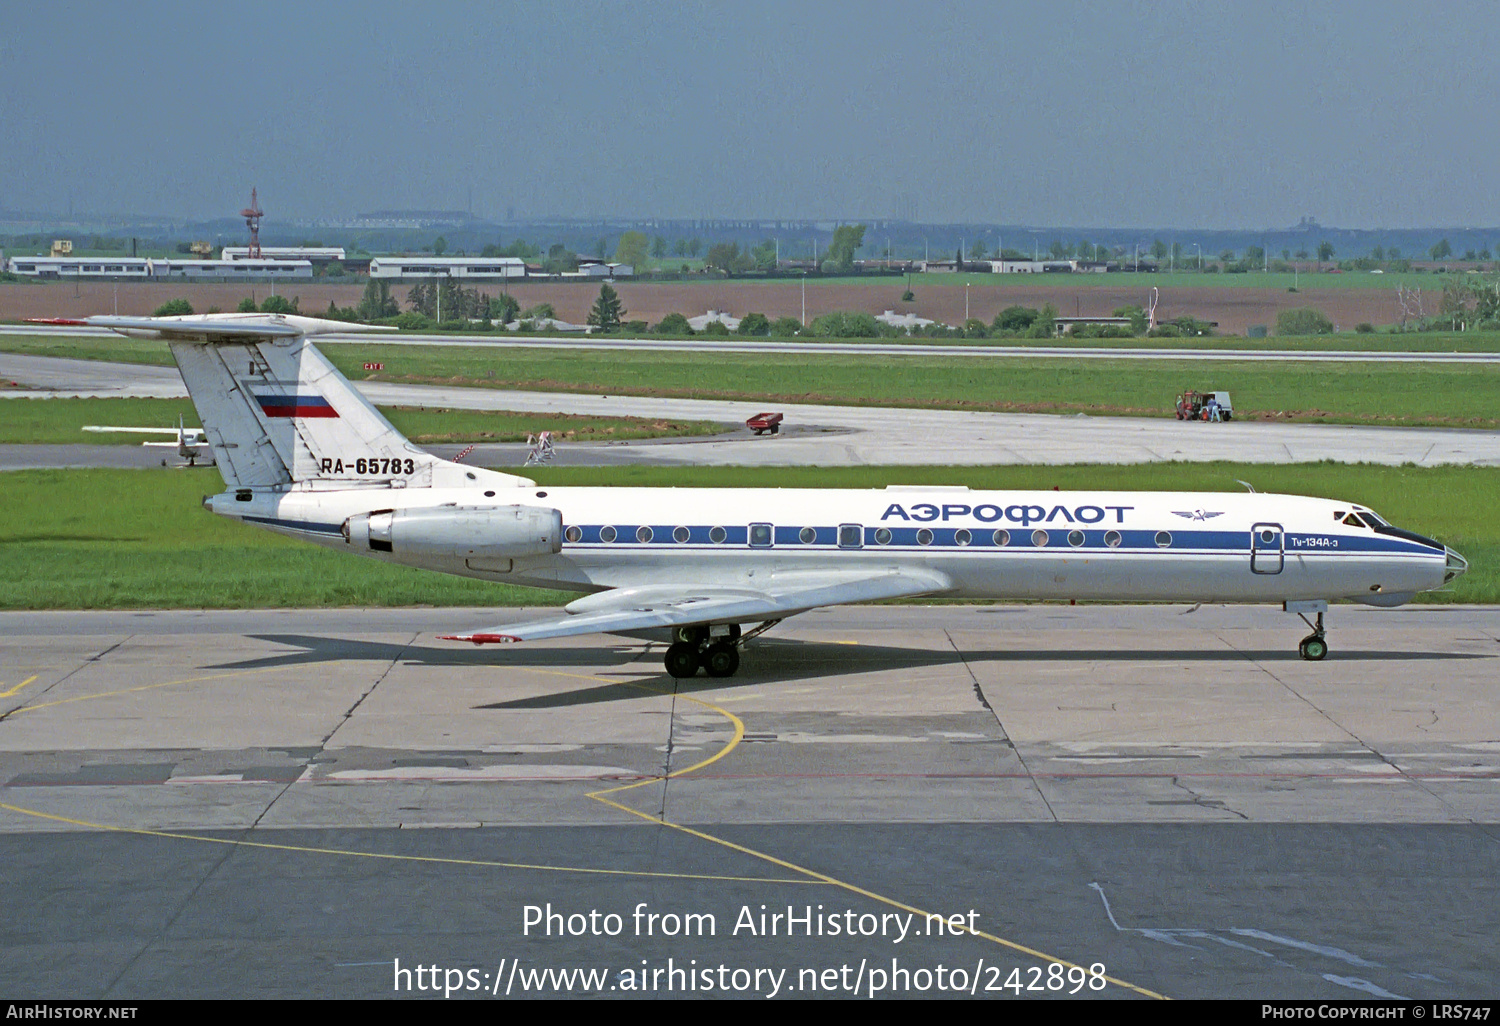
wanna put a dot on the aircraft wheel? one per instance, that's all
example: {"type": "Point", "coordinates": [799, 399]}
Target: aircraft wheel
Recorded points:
{"type": "Point", "coordinates": [1312, 648]}
{"type": "Point", "coordinates": [682, 661]}
{"type": "Point", "coordinates": [721, 660]}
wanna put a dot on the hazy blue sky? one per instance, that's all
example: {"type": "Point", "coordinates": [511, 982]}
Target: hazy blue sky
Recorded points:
{"type": "Point", "coordinates": [1372, 114]}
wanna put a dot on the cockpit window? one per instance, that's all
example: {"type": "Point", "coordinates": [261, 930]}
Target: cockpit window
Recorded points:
{"type": "Point", "coordinates": [1371, 520]}
{"type": "Point", "coordinates": [1353, 520]}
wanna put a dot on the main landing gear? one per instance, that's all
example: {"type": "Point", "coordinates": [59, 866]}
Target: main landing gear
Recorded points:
{"type": "Point", "coordinates": [715, 649]}
{"type": "Point", "coordinates": [1315, 645]}
{"type": "Point", "coordinates": [694, 647]}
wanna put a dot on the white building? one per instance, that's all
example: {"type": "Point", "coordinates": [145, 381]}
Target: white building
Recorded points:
{"type": "Point", "coordinates": [317, 254]}
{"type": "Point", "coordinates": [135, 267]}
{"type": "Point", "coordinates": [231, 269]}
{"type": "Point", "coordinates": [907, 321]}
{"type": "Point", "coordinates": [714, 317]}
{"type": "Point", "coordinates": [79, 267]}
{"type": "Point", "coordinates": [447, 267]}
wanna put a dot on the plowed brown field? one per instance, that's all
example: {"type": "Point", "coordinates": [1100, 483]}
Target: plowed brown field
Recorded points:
{"type": "Point", "coordinates": [1235, 309]}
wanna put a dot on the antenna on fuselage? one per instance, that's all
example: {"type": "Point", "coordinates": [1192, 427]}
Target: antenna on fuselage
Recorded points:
{"type": "Point", "coordinates": [1248, 486]}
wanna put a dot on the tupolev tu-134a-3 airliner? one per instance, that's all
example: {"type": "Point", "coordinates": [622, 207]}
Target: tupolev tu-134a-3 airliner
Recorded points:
{"type": "Point", "coordinates": [304, 454]}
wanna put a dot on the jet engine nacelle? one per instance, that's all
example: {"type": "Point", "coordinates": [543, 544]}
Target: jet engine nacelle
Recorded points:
{"type": "Point", "coordinates": [458, 532]}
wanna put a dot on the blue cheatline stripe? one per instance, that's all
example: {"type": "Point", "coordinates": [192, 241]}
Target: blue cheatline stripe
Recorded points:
{"type": "Point", "coordinates": [309, 526]}
{"type": "Point", "coordinates": [1021, 538]}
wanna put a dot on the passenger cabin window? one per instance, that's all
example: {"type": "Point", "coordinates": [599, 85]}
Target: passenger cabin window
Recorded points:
{"type": "Point", "coordinates": [760, 536]}
{"type": "Point", "coordinates": [717, 535]}
{"type": "Point", "coordinates": [807, 535]}
{"type": "Point", "coordinates": [882, 536]}
{"type": "Point", "coordinates": [851, 536]}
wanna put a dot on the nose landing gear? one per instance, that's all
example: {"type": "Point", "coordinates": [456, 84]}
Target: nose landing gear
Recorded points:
{"type": "Point", "coordinates": [1315, 646]}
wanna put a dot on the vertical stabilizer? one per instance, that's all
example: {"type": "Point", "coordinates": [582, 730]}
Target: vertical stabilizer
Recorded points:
{"type": "Point", "coordinates": [277, 413]}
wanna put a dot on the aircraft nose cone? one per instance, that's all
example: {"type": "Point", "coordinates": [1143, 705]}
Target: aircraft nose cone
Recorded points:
{"type": "Point", "coordinates": [1457, 565]}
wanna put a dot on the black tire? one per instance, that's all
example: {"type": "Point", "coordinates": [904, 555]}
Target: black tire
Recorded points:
{"type": "Point", "coordinates": [1313, 648]}
{"type": "Point", "coordinates": [682, 661]}
{"type": "Point", "coordinates": [721, 660]}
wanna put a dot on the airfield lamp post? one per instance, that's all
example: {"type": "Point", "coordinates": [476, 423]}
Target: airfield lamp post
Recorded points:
{"type": "Point", "coordinates": [1200, 257]}
{"type": "Point", "coordinates": [966, 301]}
{"type": "Point", "coordinates": [804, 299]}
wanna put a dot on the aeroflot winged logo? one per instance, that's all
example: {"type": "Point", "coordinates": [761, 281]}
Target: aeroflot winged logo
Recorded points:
{"type": "Point", "coordinates": [1196, 514]}
{"type": "Point", "coordinates": [295, 406]}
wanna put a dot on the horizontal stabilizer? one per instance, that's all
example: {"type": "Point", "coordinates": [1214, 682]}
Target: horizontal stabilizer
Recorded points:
{"type": "Point", "coordinates": [224, 327]}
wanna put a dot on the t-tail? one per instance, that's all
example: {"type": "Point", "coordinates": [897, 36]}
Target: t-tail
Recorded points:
{"type": "Point", "coordinates": [279, 415]}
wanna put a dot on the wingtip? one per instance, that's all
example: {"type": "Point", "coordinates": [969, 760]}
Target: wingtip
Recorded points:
{"type": "Point", "coordinates": [56, 320]}
{"type": "Point", "coordinates": [480, 639]}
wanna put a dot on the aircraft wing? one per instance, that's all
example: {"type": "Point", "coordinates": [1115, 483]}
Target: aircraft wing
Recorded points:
{"type": "Point", "coordinates": [622, 610]}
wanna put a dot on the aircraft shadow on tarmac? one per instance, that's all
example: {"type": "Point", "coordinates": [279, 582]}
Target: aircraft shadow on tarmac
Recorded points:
{"type": "Point", "coordinates": [771, 660]}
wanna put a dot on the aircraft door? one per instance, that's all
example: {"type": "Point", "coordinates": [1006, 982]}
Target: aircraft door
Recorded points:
{"type": "Point", "coordinates": [1267, 549]}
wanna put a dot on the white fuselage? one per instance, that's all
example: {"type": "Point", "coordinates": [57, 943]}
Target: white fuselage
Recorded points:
{"type": "Point", "coordinates": [1164, 546]}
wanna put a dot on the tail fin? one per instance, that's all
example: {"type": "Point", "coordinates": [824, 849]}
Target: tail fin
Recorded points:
{"type": "Point", "coordinates": [277, 412]}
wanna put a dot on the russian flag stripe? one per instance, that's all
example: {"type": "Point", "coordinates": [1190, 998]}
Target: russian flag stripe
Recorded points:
{"type": "Point", "coordinates": [295, 406]}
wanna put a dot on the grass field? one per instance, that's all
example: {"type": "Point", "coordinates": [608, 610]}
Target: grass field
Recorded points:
{"type": "Point", "coordinates": [1466, 395]}
{"type": "Point", "coordinates": [51, 421]}
{"type": "Point", "coordinates": [1305, 281]}
{"type": "Point", "coordinates": [142, 351]}
{"type": "Point", "coordinates": [1443, 395]}
{"type": "Point", "coordinates": [116, 539]}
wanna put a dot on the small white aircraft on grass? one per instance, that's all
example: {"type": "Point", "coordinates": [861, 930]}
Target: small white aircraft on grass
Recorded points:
{"type": "Point", "coordinates": [191, 443]}
{"type": "Point", "coordinates": [305, 454]}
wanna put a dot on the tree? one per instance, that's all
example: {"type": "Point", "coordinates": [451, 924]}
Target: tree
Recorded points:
{"type": "Point", "coordinates": [607, 311]}
{"type": "Point", "coordinates": [1325, 252]}
{"type": "Point", "coordinates": [279, 305]}
{"type": "Point", "coordinates": [658, 247]}
{"type": "Point", "coordinates": [377, 302]}
{"type": "Point", "coordinates": [504, 308]}
{"type": "Point", "coordinates": [977, 251]}
{"type": "Point", "coordinates": [1441, 250]}
{"type": "Point", "coordinates": [1014, 318]}
{"type": "Point", "coordinates": [845, 324]}
{"type": "Point", "coordinates": [847, 238]}
{"type": "Point", "coordinates": [694, 246]}
{"type": "Point", "coordinates": [174, 308]}
{"type": "Point", "coordinates": [726, 257]}
{"type": "Point", "coordinates": [785, 327]}
{"type": "Point", "coordinates": [1138, 318]}
{"type": "Point", "coordinates": [560, 259]}
{"type": "Point", "coordinates": [632, 249]}
{"type": "Point", "coordinates": [1159, 250]}
{"type": "Point", "coordinates": [1303, 321]}
{"type": "Point", "coordinates": [754, 324]}
{"type": "Point", "coordinates": [673, 324]}
{"type": "Point", "coordinates": [247, 305]}
{"type": "Point", "coordinates": [1046, 322]}
{"type": "Point", "coordinates": [422, 298]}
{"type": "Point", "coordinates": [439, 246]}
{"type": "Point", "coordinates": [764, 255]}
{"type": "Point", "coordinates": [601, 246]}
